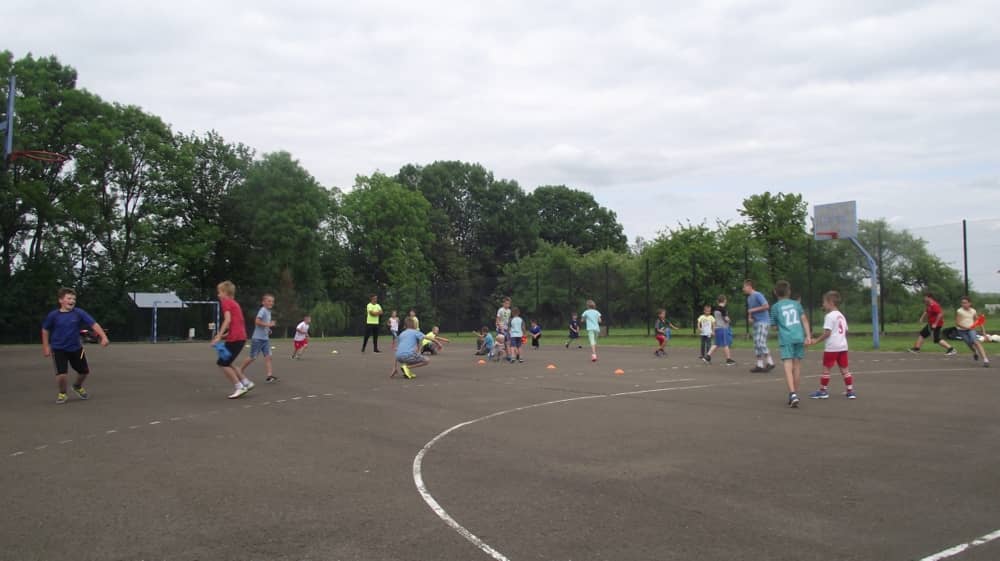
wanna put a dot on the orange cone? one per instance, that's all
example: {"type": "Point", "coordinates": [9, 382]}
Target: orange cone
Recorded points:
{"type": "Point", "coordinates": [619, 372]}
{"type": "Point", "coordinates": [551, 367]}
{"type": "Point", "coordinates": [481, 361]}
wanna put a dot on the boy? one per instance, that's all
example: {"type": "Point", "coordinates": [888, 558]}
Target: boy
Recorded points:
{"type": "Point", "coordinates": [408, 352]}
{"type": "Point", "coordinates": [394, 327]}
{"type": "Point", "coordinates": [835, 351]}
{"type": "Point", "coordinates": [480, 340]}
{"type": "Point", "coordinates": [793, 334]}
{"type": "Point", "coordinates": [432, 341]}
{"type": "Point", "coordinates": [935, 321]}
{"type": "Point", "coordinates": [516, 334]}
{"type": "Point", "coordinates": [574, 331]}
{"type": "Point", "coordinates": [234, 331]}
{"type": "Point", "coordinates": [61, 340]}
{"type": "Point", "coordinates": [499, 349]}
{"type": "Point", "coordinates": [706, 328]}
{"type": "Point", "coordinates": [373, 314]}
{"type": "Point", "coordinates": [260, 342]}
{"type": "Point", "coordinates": [416, 321]}
{"type": "Point", "coordinates": [757, 310]}
{"type": "Point", "coordinates": [300, 342]}
{"type": "Point", "coordinates": [660, 328]}
{"type": "Point", "coordinates": [503, 320]}
{"type": "Point", "coordinates": [723, 330]}
{"type": "Point", "coordinates": [593, 321]}
{"type": "Point", "coordinates": [965, 320]}
{"type": "Point", "coordinates": [536, 334]}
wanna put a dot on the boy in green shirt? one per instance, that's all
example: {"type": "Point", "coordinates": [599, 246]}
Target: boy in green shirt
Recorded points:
{"type": "Point", "coordinates": [793, 335]}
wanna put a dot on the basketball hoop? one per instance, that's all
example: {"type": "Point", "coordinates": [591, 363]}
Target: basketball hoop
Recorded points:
{"type": "Point", "coordinates": [39, 156]}
{"type": "Point", "coordinates": [827, 235]}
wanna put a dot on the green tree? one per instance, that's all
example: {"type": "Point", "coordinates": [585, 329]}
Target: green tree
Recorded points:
{"type": "Point", "coordinates": [573, 217]}
{"type": "Point", "coordinates": [777, 223]}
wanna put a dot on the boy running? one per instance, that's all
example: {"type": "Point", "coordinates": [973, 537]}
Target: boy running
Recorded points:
{"type": "Point", "coordinates": [61, 340]}
{"type": "Point", "coordinates": [793, 335]}
{"type": "Point", "coordinates": [301, 339]}
{"type": "Point", "coordinates": [260, 342]}
{"type": "Point", "coordinates": [757, 309]}
{"type": "Point", "coordinates": [593, 321]}
{"type": "Point", "coordinates": [706, 328]}
{"type": "Point", "coordinates": [835, 351]}
{"type": "Point", "coordinates": [935, 321]}
{"type": "Point", "coordinates": [965, 320]}
{"type": "Point", "coordinates": [408, 352]}
{"type": "Point", "coordinates": [723, 330]}
{"type": "Point", "coordinates": [234, 331]}
{"type": "Point", "coordinates": [574, 331]}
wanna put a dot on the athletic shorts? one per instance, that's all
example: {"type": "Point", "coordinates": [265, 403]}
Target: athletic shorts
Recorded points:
{"type": "Point", "coordinates": [969, 336]}
{"type": "Point", "coordinates": [928, 330]}
{"type": "Point", "coordinates": [234, 348]}
{"type": "Point", "coordinates": [836, 357]}
{"type": "Point", "coordinates": [299, 345]}
{"type": "Point", "coordinates": [516, 341]}
{"type": "Point", "coordinates": [411, 358]}
{"type": "Point", "coordinates": [574, 334]}
{"type": "Point", "coordinates": [667, 333]}
{"type": "Point", "coordinates": [760, 331]}
{"type": "Point", "coordinates": [592, 336]}
{"type": "Point", "coordinates": [64, 359]}
{"type": "Point", "coordinates": [661, 338]}
{"type": "Point", "coordinates": [260, 346]}
{"type": "Point", "coordinates": [723, 337]}
{"type": "Point", "coordinates": [793, 351]}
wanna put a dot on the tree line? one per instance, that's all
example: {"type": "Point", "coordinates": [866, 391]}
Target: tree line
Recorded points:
{"type": "Point", "coordinates": [140, 207]}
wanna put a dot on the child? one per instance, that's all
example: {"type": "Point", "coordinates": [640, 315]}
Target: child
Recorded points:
{"type": "Point", "coordinates": [260, 342]}
{"type": "Point", "coordinates": [234, 331]}
{"type": "Point", "coordinates": [516, 334]}
{"type": "Point", "coordinates": [660, 329]}
{"type": "Point", "coordinates": [61, 340]}
{"type": "Point", "coordinates": [759, 315]}
{"type": "Point", "coordinates": [593, 319]}
{"type": "Point", "coordinates": [432, 341]}
{"type": "Point", "coordinates": [499, 349]}
{"type": "Point", "coordinates": [793, 334]}
{"type": "Point", "coordinates": [503, 320]}
{"type": "Point", "coordinates": [407, 353]}
{"type": "Point", "coordinates": [574, 331]}
{"type": "Point", "coordinates": [300, 342]}
{"type": "Point", "coordinates": [416, 321]}
{"type": "Point", "coordinates": [536, 334]}
{"type": "Point", "coordinates": [723, 330]}
{"type": "Point", "coordinates": [965, 320]}
{"type": "Point", "coordinates": [706, 328]}
{"type": "Point", "coordinates": [481, 340]}
{"type": "Point", "coordinates": [835, 351]}
{"type": "Point", "coordinates": [373, 311]}
{"type": "Point", "coordinates": [394, 327]}
{"type": "Point", "coordinates": [935, 321]}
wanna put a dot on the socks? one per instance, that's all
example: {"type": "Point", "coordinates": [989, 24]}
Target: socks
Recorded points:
{"type": "Point", "coordinates": [760, 363]}
{"type": "Point", "coordinates": [824, 381]}
{"type": "Point", "coordinates": [848, 381]}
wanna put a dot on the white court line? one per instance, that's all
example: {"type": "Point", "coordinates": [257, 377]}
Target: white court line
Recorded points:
{"type": "Point", "coordinates": [953, 551]}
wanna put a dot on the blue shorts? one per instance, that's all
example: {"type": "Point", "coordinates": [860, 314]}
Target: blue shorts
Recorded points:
{"type": "Point", "coordinates": [969, 336]}
{"type": "Point", "coordinates": [411, 358]}
{"type": "Point", "coordinates": [793, 350]}
{"type": "Point", "coordinates": [260, 346]}
{"type": "Point", "coordinates": [516, 340]}
{"type": "Point", "coordinates": [723, 337]}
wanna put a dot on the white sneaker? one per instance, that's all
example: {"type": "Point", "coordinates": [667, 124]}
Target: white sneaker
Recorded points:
{"type": "Point", "coordinates": [238, 393]}
{"type": "Point", "coordinates": [249, 385]}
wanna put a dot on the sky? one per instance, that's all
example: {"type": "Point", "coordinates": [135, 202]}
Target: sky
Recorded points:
{"type": "Point", "coordinates": [667, 112]}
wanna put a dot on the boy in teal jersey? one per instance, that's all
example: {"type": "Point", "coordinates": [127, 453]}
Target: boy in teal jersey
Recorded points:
{"type": "Point", "coordinates": [593, 322]}
{"type": "Point", "coordinates": [793, 335]}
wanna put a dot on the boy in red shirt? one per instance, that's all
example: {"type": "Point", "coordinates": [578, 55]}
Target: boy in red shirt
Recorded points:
{"type": "Point", "coordinates": [234, 330]}
{"type": "Point", "coordinates": [935, 321]}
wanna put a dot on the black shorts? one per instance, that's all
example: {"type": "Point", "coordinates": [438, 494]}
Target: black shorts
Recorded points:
{"type": "Point", "coordinates": [234, 348]}
{"type": "Point", "coordinates": [928, 330]}
{"type": "Point", "coordinates": [64, 359]}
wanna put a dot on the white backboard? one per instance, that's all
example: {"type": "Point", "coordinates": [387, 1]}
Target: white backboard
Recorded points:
{"type": "Point", "coordinates": [835, 218]}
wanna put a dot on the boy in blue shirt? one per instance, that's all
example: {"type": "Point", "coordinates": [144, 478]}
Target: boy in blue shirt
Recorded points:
{"type": "Point", "coordinates": [61, 341]}
{"type": "Point", "coordinates": [757, 309]}
{"type": "Point", "coordinates": [536, 334]}
{"type": "Point", "coordinates": [260, 343]}
{"type": "Point", "coordinates": [793, 335]}
{"type": "Point", "coordinates": [593, 320]}
{"type": "Point", "coordinates": [574, 331]}
{"type": "Point", "coordinates": [408, 350]}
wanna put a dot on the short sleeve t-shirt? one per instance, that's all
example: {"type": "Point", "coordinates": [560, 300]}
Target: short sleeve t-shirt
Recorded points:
{"type": "Point", "coordinates": [503, 317]}
{"type": "Point", "coordinates": [301, 331]}
{"type": "Point", "coordinates": [660, 326]}
{"type": "Point", "coordinates": [593, 319]}
{"type": "Point", "coordinates": [965, 319]}
{"type": "Point", "coordinates": [408, 343]}
{"type": "Point", "coordinates": [64, 328]}
{"type": "Point", "coordinates": [755, 300]}
{"type": "Point", "coordinates": [372, 309]}
{"type": "Point", "coordinates": [836, 324]}
{"type": "Point", "coordinates": [237, 325]}
{"type": "Point", "coordinates": [488, 341]}
{"type": "Point", "coordinates": [429, 338]}
{"type": "Point", "coordinates": [516, 327]}
{"type": "Point", "coordinates": [574, 328]}
{"type": "Point", "coordinates": [787, 315]}
{"type": "Point", "coordinates": [535, 330]}
{"type": "Point", "coordinates": [721, 317]}
{"type": "Point", "coordinates": [394, 324]}
{"type": "Point", "coordinates": [706, 325]}
{"type": "Point", "coordinates": [935, 316]}
{"type": "Point", "coordinates": [262, 333]}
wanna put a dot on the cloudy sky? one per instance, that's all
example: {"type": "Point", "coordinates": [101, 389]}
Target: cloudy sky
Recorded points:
{"type": "Point", "coordinates": [667, 112]}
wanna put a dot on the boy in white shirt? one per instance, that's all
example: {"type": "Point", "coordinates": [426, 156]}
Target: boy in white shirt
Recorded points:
{"type": "Point", "coordinates": [835, 351]}
{"type": "Point", "coordinates": [966, 320]}
{"type": "Point", "coordinates": [301, 339]}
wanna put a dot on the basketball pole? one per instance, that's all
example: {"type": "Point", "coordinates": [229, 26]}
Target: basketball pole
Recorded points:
{"type": "Point", "coordinates": [873, 267]}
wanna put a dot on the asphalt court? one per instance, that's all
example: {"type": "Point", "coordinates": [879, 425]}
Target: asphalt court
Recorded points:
{"type": "Point", "coordinates": [674, 459]}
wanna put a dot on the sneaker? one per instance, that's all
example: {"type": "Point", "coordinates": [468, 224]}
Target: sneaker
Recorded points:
{"type": "Point", "coordinates": [407, 373]}
{"type": "Point", "coordinates": [769, 367]}
{"type": "Point", "coordinates": [249, 385]}
{"type": "Point", "coordinates": [849, 394]}
{"type": "Point", "coordinates": [520, 361]}
{"type": "Point", "coordinates": [975, 357]}
{"type": "Point", "coordinates": [61, 398]}
{"type": "Point", "coordinates": [730, 362]}
{"type": "Point", "coordinates": [567, 345]}
{"type": "Point", "coordinates": [951, 352]}
{"type": "Point", "coordinates": [986, 364]}
{"type": "Point", "coordinates": [707, 359]}
{"type": "Point", "coordinates": [793, 401]}
{"type": "Point", "coordinates": [593, 358]}
{"type": "Point", "coordinates": [271, 379]}
{"type": "Point", "coordinates": [914, 350]}
{"type": "Point", "coordinates": [758, 369]}
{"type": "Point", "coordinates": [819, 394]}
{"type": "Point", "coordinates": [81, 392]}
{"type": "Point", "coordinates": [238, 393]}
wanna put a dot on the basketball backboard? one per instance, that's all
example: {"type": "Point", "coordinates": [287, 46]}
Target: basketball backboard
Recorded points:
{"type": "Point", "coordinates": [835, 220]}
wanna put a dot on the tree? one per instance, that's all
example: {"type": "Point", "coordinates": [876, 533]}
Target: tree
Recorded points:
{"type": "Point", "coordinates": [573, 217]}
{"type": "Point", "coordinates": [778, 224]}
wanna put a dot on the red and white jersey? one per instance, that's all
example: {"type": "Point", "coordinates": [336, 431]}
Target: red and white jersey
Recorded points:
{"type": "Point", "coordinates": [836, 323]}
